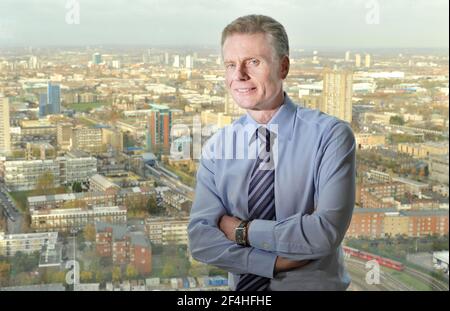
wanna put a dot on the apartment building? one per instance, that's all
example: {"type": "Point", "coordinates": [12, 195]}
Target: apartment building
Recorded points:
{"type": "Point", "coordinates": [167, 230]}
{"type": "Point", "coordinates": [26, 243]}
{"type": "Point", "coordinates": [123, 247]}
{"type": "Point", "coordinates": [67, 219]}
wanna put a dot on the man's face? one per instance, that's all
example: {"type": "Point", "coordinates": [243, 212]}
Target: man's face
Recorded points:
{"type": "Point", "coordinates": [254, 75]}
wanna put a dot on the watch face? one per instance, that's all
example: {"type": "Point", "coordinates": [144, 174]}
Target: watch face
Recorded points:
{"type": "Point", "coordinates": [240, 235]}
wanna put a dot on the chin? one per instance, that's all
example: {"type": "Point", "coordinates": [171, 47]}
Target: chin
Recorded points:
{"type": "Point", "coordinates": [245, 103]}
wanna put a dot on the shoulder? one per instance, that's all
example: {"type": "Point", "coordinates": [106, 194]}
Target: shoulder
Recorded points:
{"type": "Point", "coordinates": [325, 125]}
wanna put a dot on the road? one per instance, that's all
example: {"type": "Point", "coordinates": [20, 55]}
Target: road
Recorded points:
{"type": "Point", "coordinates": [9, 209]}
{"type": "Point", "coordinates": [171, 182]}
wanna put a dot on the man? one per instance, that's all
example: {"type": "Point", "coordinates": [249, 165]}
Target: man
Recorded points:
{"type": "Point", "coordinates": [274, 221]}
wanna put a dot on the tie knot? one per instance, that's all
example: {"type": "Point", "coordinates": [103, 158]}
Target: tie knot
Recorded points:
{"type": "Point", "coordinates": [265, 136]}
{"type": "Point", "coordinates": [263, 133]}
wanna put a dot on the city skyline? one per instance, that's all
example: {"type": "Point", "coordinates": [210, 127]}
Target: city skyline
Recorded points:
{"type": "Point", "coordinates": [423, 23]}
{"type": "Point", "coordinates": [103, 146]}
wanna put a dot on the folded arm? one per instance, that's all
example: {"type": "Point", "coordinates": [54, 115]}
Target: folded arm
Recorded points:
{"type": "Point", "coordinates": [303, 237]}
{"type": "Point", "coordinates": [209, 244]}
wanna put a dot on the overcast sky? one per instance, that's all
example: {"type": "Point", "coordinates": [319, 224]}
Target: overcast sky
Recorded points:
{"type": "Point", "coordinates": [313, 23]}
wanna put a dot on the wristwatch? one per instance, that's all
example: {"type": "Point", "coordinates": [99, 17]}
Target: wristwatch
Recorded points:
{"type": "Point", "coordinates": [241, 233]}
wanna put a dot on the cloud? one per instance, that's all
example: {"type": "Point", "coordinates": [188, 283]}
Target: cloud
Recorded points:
{"type": "Point", "coordinates": [338, 23]}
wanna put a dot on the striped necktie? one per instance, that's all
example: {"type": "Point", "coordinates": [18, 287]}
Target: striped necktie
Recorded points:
{"type": "Point", "coordinates": [261, 200]}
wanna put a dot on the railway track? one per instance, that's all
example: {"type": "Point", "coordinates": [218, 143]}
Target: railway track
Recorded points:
{"type": "Point", "coordinates": [434, 283]}
{"type": "Point", "coordinates": [387, 282]}
{"type": "Point", "coordinates": [390, 283]}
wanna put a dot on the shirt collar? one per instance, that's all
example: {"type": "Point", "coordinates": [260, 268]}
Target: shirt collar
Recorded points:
{"type": "Point", "coordinates": [283, 119]}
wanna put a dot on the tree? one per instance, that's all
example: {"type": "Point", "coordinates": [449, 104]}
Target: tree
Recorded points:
{"type": "Point", "coordinates": [136, 202]}
{"type": "Point", "coordinates": [25, 262]}
{"type": "Point", "coordinates": [99, 276]}
{"type": "Point", "coordinates": [131, 272]}
{"type": "Point", "coordinates": [5, 269]}
{"type": "Point", "coordinates": [76, 187]}
{"type": "Point", "coordinates": [168, 270]}
{"type": "Point", "coordinates": [396, 120]}
{"type": "Point", "coordinates": [81, 241]}
{"type": "Point", "coordinates": [152, 206]}
{"type": "Point", "coordinates": [26, 221]}
{"type": "Point", "coordinates": [86, 276]}
{"type": "Point", "coordinates": [198, 269]}
{"type": "Point", "coordinates": [57, 277]}
{"type": "Point", "coordinates": [22, 278]}
{"type": "Point", "coordinates": [45, 182]}
{"type": "Point", "coordinates": [89, 232]}
{"type": "Point", "coordinates": [2, 223]}
{"type": "Point", "coordinates": [116, 274]}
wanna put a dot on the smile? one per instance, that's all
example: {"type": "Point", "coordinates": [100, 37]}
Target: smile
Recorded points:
{"type": "Point", "coordinates": [245, 90]}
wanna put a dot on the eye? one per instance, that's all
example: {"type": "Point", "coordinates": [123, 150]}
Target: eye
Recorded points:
{"type": "Point", "coordinates": [229, 66]}
{"type": "Point", "coordinates": [253, 62]}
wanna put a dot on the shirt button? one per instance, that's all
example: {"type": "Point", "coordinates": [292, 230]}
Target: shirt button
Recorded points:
{"type": "Point", "coordinates": [266, 245]}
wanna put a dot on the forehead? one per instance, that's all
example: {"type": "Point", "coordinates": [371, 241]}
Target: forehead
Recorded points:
{"type": "Point", "coordinates": [240, 46]}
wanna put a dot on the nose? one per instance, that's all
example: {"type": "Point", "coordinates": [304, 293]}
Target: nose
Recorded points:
{"type": "Point", "coordinates": [240, 73]}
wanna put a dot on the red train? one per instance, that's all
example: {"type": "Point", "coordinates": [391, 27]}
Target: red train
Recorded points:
{"type": "Point", "coordinates": [368, 256]}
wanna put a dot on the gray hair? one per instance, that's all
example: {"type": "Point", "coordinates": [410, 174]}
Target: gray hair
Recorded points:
{"type": "Point", "coordinates": [253, 24]}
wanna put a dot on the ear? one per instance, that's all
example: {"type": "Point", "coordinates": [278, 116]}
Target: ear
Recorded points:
{"type": "Point", "coordinates": [284, 66]}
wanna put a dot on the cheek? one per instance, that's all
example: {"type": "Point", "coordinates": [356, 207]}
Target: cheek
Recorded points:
{"type": "Point", "coordinates": [228, 82]}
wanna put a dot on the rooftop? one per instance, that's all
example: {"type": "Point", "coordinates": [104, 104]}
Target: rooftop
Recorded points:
{"type": "Point", "coordinates": [66, 211]}
{"type": "Point", "coordinates": [103, 181]}
{"type": "Point", "coordinates": [442, 256]}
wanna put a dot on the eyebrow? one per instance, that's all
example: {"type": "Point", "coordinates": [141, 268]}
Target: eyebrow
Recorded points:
{"type": "Point", "coordinates": [245, 59]}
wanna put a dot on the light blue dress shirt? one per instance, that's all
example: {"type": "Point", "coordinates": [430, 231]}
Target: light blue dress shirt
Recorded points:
{"type": "Point", "coordinates": [314, 200]}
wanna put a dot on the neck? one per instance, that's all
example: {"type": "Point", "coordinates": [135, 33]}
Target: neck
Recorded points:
{"type": "Point", "coordinates": [264, 116]}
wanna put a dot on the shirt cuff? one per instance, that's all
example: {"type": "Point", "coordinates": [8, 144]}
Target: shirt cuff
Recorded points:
{"type": "Point", "coordinates": [261, 263]}
{"type": "Point", "coordinates": [261, 234]}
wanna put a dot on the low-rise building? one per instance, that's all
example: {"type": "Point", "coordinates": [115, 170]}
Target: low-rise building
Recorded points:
{"type": "Point", "coordinates": [67, 219]}
{"type": "Point", "coordinates": [85, 199]}
{"type": "Point", "coordinates": [64, 135]}
{"type": "Point", "coordinates": [124, 247]}
{"type": "Point", "coordinates": [412, 186]}
{"type": "Point", "coordinates": [24, 174]}
{"type": "Point", "coordinates": [167, 230]}
{"type": "Point", "coordinates": [427, 222]}
{"type": "Point", "coordinates": [26, 243]}
{"type": "Point", "coordinates": [423, 150]}
{"type": "Point", "coordinates": [173, 199]}
{"type": "Point", "coordinates": [395, 224]}
{"type": "Point", "coordinates": [438, 168]}
{"type": "Point", "coordinates": [440, 260]}
{"type": "Point", "coordinates": [380, 195]}
{"type": "Point", "coordinates": [368, 141]}
{"type": "Point", "coordinates": [82, 199]}
{"type": "Point", "coordinates": [39, 127]}
{"type": "Point", "coordinates": [87, 139]}
{"type": "Point", "coordinates": [383, 222]}
{"type": "Point", "coordinates": [99, 183]}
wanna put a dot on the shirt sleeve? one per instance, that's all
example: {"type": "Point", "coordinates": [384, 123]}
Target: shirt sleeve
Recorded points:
{"type": "Point", "coordinates": [208, 243]}
{"type": "Point", "coordinates": [312, 236]}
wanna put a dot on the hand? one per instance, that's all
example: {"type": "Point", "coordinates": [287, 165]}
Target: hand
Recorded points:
{"type": "Point", "coordinates": [228, 225]}
{"type": "Point", "coordinates": [283, 264]}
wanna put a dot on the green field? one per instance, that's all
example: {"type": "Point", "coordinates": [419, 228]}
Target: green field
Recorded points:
{"type": "Point", "coordinates": [184, 177]}
{"type": "Point", "coordinates": [20, 197]}
{"type": "Point", "coordinates": [85, 107]}
{"type": "Point", "coordinates": [86, 121]}
{"type": "Point", "coordinates": [409, 280]}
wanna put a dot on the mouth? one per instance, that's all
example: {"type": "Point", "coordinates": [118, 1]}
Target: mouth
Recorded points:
{"type": "Point", "coordinates": [244, 91]}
